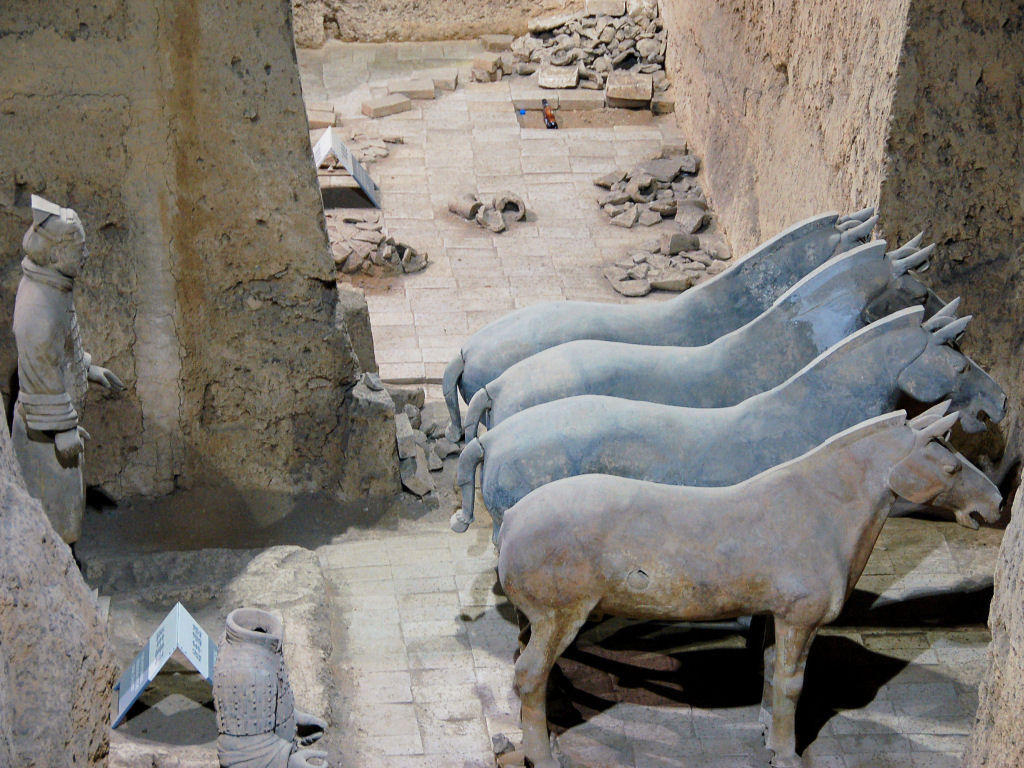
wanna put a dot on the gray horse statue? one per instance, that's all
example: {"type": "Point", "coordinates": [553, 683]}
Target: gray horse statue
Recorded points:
{"type": "Point", "coordinates": [863, 376]}
{"type": "Point", "coordinates": [821, 310]}
{"type": "Point", "coordinates": [791, 542]}
{"type": "Point", "coordinates": [698, 316]}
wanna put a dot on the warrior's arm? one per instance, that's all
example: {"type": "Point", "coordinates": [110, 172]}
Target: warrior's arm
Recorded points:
{"type": "Point", "coordinates": [44, 401]}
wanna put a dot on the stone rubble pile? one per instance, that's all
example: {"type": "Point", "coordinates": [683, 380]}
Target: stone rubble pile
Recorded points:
{"type": "Point", "coordinates": [495, 214]}
{"type": "Point", "coordinates": [674, 263]}
{"type": "Point", "coordinates": [663, 188]}
{"type": "Point", "coordinates": [360, 243]}
{"type": "Point", "coordinates": [420, 435]}
{"type": "Point", "coordinates": [611, 36]}
{"type": "Point", "coordinates": [366, 148]}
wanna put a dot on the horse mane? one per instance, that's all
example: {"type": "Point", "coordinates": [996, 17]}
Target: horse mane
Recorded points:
{"type": "Point", "coordinates": [869, 251]}
{"type": "Point", "coordinates": [910, 317]}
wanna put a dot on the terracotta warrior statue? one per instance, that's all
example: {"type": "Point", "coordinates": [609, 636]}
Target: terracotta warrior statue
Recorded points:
{"type": "Point", "coordinates": [258, 723]}
{"type": "Point", "coordinates": [53, 370]}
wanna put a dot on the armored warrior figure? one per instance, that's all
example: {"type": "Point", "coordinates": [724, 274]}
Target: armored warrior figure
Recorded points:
{"type": "Point", "coordinates": [53, 370]}
{"type": "Point", "coordinates": [256, 716]}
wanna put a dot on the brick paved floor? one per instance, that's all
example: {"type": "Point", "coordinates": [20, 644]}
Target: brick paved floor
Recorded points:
{"type": "Point", "coordinates": [424, 657]}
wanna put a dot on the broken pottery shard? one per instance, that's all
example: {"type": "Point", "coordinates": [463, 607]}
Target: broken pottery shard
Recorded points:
{"type": "Point", "coordinates": [510, 206]}
{"type": "Point", "coordinates": [419, 88]}
{"type": "Point", "coordinates": [558, 77]}
{"type": "Point", "coordinates": [649, 218]}
{"type": "Point", "coordinates": [446, 79]}
{"type": "Point", "coordinates": [606, 7]}
{"type": "Point", "coordinates": [610, 179]}
{"type": "Point", "coordinates": [547, 23]}
{"type": "Point", "coordinates": [627, 218]}
{"type": "Point", "coordinates": [628, 89]}
{"type": "Point", "coordinates": [386, 105]}
{"type": "Point", "coordinates": [490, 219]}
{"type": "Point", "coordinates": [487, 62]}
{"type": "Point", "coordinates": [496, 43]}
{"type": "Point", "coordinates": [467, 206]}
{"type": "Point", "coordinates": [415, 472]}
{"type": "Point", "coordinates": [691, 218]}
{"type": "Point", "coordinates": [404, 436]}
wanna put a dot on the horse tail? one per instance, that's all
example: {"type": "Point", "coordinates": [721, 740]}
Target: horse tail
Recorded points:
{"type": "Point", "coordinates": [472, 455]}
{"type": "Point", "coordinates": [450, 389]}
{"type": "Point", "coordinates": [479, 405]}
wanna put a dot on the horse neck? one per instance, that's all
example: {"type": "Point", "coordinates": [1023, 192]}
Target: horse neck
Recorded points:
{"type": "Point", "coordinates": [866, 370]}
{"type": "Point", "coordinates": [849, 483]}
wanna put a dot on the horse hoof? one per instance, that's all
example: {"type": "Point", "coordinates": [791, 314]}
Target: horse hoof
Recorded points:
{"type": "Point", "coordinates": [458, 523]}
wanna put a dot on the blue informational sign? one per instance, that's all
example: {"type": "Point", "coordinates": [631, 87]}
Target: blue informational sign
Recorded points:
{"type": "Point", "coordinates": [330, 143]}
{"type": "Point", "coordinates": [178, 632]}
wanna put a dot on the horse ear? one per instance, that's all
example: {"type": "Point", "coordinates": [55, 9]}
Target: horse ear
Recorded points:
{"type": "Point", "coordinates": [943, 317]}
{"type": "Point", "coordinates": [907, 248]}
{"type": "Point", "coordinates": [938, 427]}
{"type": "Point", "coordinates": [917, 260]}
{"type": "Point", "coordinates": [930, 416]}
{"type": "Point", "coordinates": [952, 331]}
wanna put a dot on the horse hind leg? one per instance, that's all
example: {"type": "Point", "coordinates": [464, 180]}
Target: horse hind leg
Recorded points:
{"type": "Point", "coordinates": [792, 642]}
{"type": "Point", "coordinates": [550, 634]}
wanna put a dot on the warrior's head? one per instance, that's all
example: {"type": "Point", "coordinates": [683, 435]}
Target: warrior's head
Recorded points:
{"type": "Point", "coordinates": [56, 239]}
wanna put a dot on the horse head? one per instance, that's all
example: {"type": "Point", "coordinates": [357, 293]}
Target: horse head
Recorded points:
{"type": "Point", "coordinates": [934, 474]}
{"type": "Point", "coordinates": [903, 288]}
{"type": "Point", "coordinates": [943, 371]}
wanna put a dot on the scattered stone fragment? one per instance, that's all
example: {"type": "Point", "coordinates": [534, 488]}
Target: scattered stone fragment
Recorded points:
{"type": "Point", "coordinates": [434, 462]}
{"type": "Point", "coordinates": [403, 396]}
{"type": "Point", "coordinates": [716, 267]}
{"type": "Point", "coordinates": [662, 104]}
{"type": "Point", "coordinates": [340, 252]}
{"type": "Point", "coordinates": [488, 62]}
{"type": "Point", "coordinates": [632, 288]}
{"type": "Point", "coordinates": [663, 169]}
{"type": "Point", "coordinates": [525, 68]}
{"type": "Point", "coordinates": [615, 197]}
{"type": "Point", "coordinates": [419, 88]}
{"type": "Point", "coordinates": [496, 42]}
{"type": "Point", "coordinates": [690, 164]}
{"type": "Point", "coordinates": [372, 236]}
{"type": "Point", "coordinates": [627, 218]}
{"type": "Point", "coordinates": [404, 436]}
{"type": "Point", "coordinates": [415, 472]}
{"type": "Point", "coordinates": [691, 218]}
{"type": "Point", "coordinates": [501, 744]}
{"type": "Point", "coordinates": [547, 23]}
{"type": "Point", "coordinates": [434, 418]}
{"type": "Point", "coordinates": [552, 76]}
{"type": "Point", "coordinates": [610, 179]}
{"type": "Point", "coordinates": [649, 218]}
{"type": "Point", "coordinates": [641, 188]}
{"type": "Point", "coordinates": [675, 281]}
{"type": "Point", "coordinates": [444, 447]}
{"type": "Point", "coordinates": [665, 207]}
{"type": "Point", "coordinates": [581, 100]}
{"type": "Point", "coordinates": [412, 260]}
{"type": "Point", "coordinates": [372, 381]}
{"type": "Point", "coordinates": [628, 89]}
{"type": "Point", "coordinates": [386, 105]}
{"type": "Point", "coordinates": [677, 242]}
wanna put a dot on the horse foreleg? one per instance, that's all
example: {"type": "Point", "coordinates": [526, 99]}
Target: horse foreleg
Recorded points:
{"type": "Point", "coordinates": [792, 642]}
{"type": "Point", "coordinates": [550, 634]}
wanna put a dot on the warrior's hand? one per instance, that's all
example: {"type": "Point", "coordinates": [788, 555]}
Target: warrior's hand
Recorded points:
{"type": "Point", "coordinates": [71, 443]}
{"type": "Point", "coordinates": [301, 758]}
{"type": "Point", "coordinates": [105, 378]}
{"type": "Point", "coordinates": [310, 727]}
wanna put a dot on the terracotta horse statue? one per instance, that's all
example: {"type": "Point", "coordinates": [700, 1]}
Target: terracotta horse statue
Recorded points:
{"type": "Point", "coordinates": [822, 309]}
{"type": "Point", "coordinates": [863, 376]}
{"type": "Point", "coordinates": [790, 542]}
{"type": "Point", "coordinates": [722, 304]}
